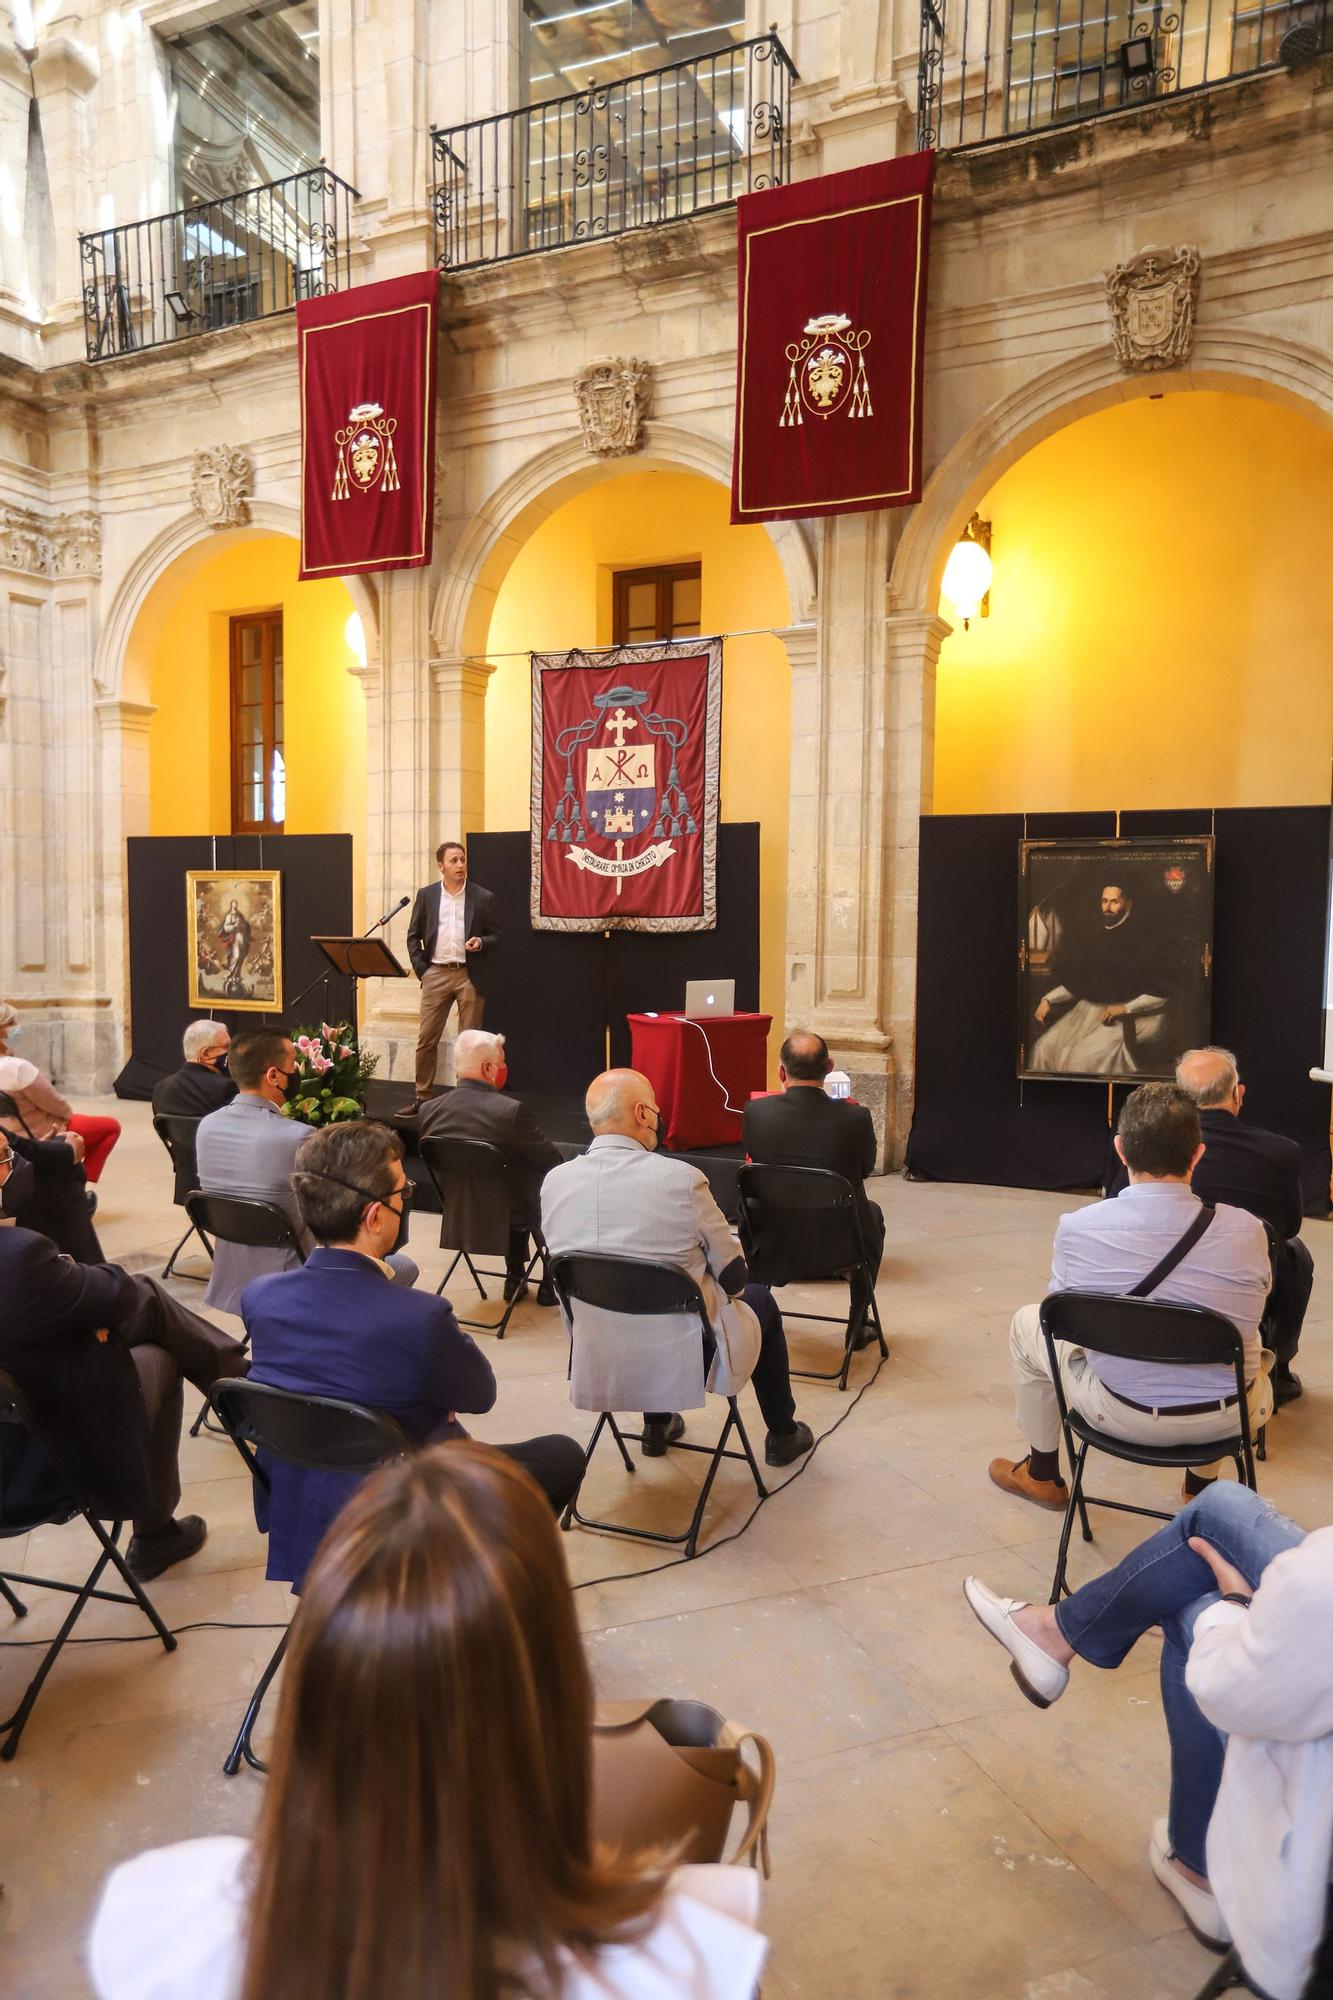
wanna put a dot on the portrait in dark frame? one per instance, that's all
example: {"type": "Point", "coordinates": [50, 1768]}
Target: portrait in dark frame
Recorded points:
{"type": "Point", "coordinates": [1115, 956]}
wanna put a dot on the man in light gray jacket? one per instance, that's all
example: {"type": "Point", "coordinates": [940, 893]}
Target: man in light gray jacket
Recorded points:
{"type": "Point", "coordinates": [249, 1148]}
{"type": "Point", "coordinates": [623, 1198]}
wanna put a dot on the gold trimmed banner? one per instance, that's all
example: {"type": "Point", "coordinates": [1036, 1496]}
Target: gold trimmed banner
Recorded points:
{"type": "Point", "coordinates": [832, 312]}
{"type": "Point", "coordinates": [367, 362]}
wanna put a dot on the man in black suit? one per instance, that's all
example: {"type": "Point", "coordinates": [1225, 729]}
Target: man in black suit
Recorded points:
{"type": "Point", "coordinates": [805, 1128]}
{"type": "Point", "coordinates": [47, 1191]}
{"type": "Point", "coordinates": [111, 1406]}
{"type": "Point", "coordinates": [201, 1084]}
{"type": "Point", "coordinates": [1260, 1171]}
{"type": "Point", "coordinates": [452, 928]}
{"type": "Point", "coordinates": [477, 1108]}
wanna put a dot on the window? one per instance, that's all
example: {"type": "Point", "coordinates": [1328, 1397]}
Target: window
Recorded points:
{"type": "Point", "coordinates": [258, 771]}
{"type": "Point", "coordinates": [650, 604]}
{"type": "Point", "coordinates": [570, 44]}
{"type": "Point", "coordinates": [244, 99]}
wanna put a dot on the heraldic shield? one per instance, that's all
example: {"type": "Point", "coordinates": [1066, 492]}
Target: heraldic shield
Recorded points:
{"type": "Point", "coordinates": [624, 788]}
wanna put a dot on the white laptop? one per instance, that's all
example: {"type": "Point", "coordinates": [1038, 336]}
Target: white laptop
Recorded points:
{"type": "Point", "coordinates": [705, 997]}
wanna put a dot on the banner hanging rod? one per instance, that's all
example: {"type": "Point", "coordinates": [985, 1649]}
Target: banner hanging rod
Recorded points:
{"type": "Point", "coordinates": [696, 639]}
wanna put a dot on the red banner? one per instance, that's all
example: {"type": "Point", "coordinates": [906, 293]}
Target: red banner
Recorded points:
{"type": "Point", "coordinates": [625, 755]}
{"type": "Point", "coordinates": [829, 348]}
{"type": "Point", "coordinates": [368, 426]}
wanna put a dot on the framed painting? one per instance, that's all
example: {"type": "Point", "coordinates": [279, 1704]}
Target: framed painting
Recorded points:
{"type": "Point", "coordinates": [233, 926]}
{"type": "Point", "coordinates": [1115, 956]}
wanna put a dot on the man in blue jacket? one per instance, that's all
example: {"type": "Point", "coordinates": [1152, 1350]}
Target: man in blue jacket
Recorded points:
{"type": "Point", "coordinates": [338, 1326]}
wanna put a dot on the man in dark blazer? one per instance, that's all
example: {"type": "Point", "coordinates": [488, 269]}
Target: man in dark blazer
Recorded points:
{"type": "Point", "coordinates": [454, 924]}
{"type": "Point", "coordinates": [48, 1192]}
{"type": "Point", "coordinates": [339, 1327]}
{"type": "Point", "coordinates": [201, 1084]}
{"type": "Point", "coordinates": [478, 1108]}
{"type": "Point", "coordinates": [1248, 1168]}
{"type": "Point", "coordinates": [100, 1356]}
{"type": "Point", "coordinates": [804, 1128]}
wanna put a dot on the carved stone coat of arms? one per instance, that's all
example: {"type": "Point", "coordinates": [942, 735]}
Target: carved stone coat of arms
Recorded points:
{"type": "Point", "coordinates": [1153, 299]}
{"type": "Point", "coordinates": [613, 395]}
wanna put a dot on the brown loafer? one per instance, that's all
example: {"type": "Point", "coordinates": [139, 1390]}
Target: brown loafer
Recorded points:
{"type": "Point", "coordinates": [1011, 1478]}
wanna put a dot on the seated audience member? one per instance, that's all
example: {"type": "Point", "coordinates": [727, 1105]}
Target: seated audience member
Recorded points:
{"type": "Point", "coordinates": [40, 1112]}
{"type": "Point", "coordinates": [337, 1327]}
{"type": "Point", "coordinates": [437, 1625]}
{"type": "Point", "coordinates": [117, 1428]}
{"type": "Point", "coordinates": [249, 1148]}
{"type": "Point", "coordinates": [201, 1084]}
{"type": "Point", "coordinates": [624, 1199]}
{"type": "Point", "coordinates": [477, 1108]}
{"type": "Point", "coordinates": [1260, 1171]}
{"type": "Point", "coordinates": [1110, 1247]}
{"type": "Point", "coordinates": [47, 1191]}
{"type": "Point", "coordinates": [1244, 1600]}
{"type": "Point", "coordinates": [804, 1128]}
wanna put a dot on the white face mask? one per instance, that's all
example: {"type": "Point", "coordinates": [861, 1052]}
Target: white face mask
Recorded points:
{"type": "Point", "coordinates": [12, 1034]}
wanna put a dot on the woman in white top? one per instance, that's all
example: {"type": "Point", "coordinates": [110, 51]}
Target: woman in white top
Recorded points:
{"type": "Point", "coordinates": [1244, 1599]}
{"type": "Point", "coordinates": [39, 1109]}
{"type": "Point", "coordinates": [425, 1829]}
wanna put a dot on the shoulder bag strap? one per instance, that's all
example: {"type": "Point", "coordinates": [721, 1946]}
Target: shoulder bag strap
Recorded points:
{"type": "Point", "coordinates": [755, 1790]}
{"type": "Point", "coordinates": [1175, 1255]}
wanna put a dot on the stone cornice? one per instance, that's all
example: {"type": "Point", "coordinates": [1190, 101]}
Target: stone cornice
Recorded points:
{"type": "Point", "coordinates": [50, 545]}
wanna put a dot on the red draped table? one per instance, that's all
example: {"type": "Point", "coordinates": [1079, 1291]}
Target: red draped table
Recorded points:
{"type": "Point", "coordinates": [674, 1054]}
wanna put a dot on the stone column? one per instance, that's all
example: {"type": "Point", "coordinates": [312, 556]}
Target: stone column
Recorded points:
{"type": "Point", "coordinates": [64, 74]}
{"type": "Point", "coordinates": [459, 744]}
{"type": "Point", "coordinates": [123, 804]}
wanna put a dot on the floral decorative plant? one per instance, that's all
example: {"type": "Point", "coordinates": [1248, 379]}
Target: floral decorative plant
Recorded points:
{"type": "Point", "coordinates": [333, 1076]}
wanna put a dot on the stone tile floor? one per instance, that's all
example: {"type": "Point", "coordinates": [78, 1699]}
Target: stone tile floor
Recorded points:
{"type": "Point", "coordinates": [934, 1837]}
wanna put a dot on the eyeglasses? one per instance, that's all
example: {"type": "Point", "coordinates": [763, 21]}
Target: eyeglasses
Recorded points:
{"type": "Point", "coordinates": [385, 1201]}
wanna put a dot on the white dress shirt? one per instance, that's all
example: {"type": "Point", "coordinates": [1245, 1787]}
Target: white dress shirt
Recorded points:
{"type": "Point", "coordinates": [450, 936]}
{"type": "Point", "coordinates": [169, 1927]}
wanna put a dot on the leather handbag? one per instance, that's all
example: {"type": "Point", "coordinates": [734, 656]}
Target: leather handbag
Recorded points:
{"type": "Point", "coordinates": [668, 1775]}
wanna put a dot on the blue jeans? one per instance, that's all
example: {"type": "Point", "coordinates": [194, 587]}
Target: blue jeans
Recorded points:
{"type": "Point", "coordinates": [1164, 1583]}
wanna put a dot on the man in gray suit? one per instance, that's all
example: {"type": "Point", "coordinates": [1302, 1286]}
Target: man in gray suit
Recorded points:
{"type": "Point", "coordinates": [249, 1148]}
{"type": "Point", "coordinates": [622, 1198]}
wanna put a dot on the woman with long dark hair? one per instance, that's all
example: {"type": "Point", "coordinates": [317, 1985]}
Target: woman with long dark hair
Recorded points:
{"type": "Point", "coordinates": [425, 1829]}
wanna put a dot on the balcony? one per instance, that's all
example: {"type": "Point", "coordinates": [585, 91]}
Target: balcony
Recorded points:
{"type": "Point", "coordinates": [615, 157]}
{"type": "Point", "coordinates": [244, 256]}
{"type": "Point", "coordinates": [997, 69]}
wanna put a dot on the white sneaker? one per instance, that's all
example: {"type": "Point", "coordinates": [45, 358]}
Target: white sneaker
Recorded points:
{"type": "Point", "coordinates": [1042, 1679]}
{"type": "Point", "coordinates": [1198, 1906]}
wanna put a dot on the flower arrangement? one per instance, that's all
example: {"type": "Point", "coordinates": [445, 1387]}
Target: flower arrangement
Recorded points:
{"type": "Point", "coordinates": [333, 1076]}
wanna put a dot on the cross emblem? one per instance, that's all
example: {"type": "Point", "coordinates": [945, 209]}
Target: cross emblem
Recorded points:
{"type": "Point", "coordinates": [618, 724]}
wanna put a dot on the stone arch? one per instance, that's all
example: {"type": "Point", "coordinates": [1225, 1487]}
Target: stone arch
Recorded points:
{"type": "Point", "coordinates": [190, 542]}
{"type": "Point", "coordinates": [1236, 360]}
{"type": "Point", "coordinates": [462, 612]}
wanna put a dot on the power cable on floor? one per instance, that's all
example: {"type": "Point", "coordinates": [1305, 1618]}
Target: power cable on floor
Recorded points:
{"type": "Point", "coordinates": [588, 1583]}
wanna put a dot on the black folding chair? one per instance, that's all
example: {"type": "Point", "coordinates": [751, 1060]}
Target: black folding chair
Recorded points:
{"type": "Point", "coordinates": [780, 1208]}
{"type": "Point", "coordinates": [178, 1136]}
{"type": "Point", "coordinates": [639, 1288]}
{"type": "Point", "coordinates": [321, 1433]}
{"type": "Point", "coordinates": [1141, 1330]}
{"type": "Point", "coordinates": [236, 1218]}
{"type": "Point", "coordinates": [15, 1410]}
{"type": "Point", "coordinates": [472, 1179]}
{"type": "Point", "coordinates": [1230, 1974]}
{"type": "Point", "coordinates": [10, 1110]}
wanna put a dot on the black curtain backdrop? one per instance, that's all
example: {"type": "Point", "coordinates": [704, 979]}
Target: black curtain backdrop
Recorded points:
{"type": "Point", "coordinates": [316, 899]}
{"type": "Point", "coordinates": [974, 1120]}
{"type": "Point", "coordinates": [552, 994]}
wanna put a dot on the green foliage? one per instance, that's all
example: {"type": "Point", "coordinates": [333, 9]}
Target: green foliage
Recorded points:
{"type": "Point", "coordinates": [333, 1076]}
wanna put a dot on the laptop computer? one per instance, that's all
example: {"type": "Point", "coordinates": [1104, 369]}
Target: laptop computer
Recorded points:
{"type": "Point", "coordinates": [705, 997]}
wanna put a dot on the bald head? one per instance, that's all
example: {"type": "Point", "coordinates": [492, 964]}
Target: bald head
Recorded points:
{"type": "Point", "coordinates": [622, 1103]}
{"type": "Point", "coordinates": [804, 1058]}
{"type": "Point", "coordinates": [1211, 1077]}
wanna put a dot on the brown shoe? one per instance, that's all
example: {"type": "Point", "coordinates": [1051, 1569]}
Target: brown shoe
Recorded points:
{"type": "Point", "coordinates": [1011, 1478]}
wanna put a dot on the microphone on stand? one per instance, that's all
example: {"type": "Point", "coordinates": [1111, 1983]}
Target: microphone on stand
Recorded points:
{"type": "Point", "coordinates": [389, 913]}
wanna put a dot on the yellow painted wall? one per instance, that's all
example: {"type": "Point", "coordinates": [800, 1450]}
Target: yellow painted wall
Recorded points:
{"type": "Point", "coordinates": [1161, 625]}
{"type": "Point", "coordinates": [182, 639]}
{"type": "Point", "coordinates": [557, 594]}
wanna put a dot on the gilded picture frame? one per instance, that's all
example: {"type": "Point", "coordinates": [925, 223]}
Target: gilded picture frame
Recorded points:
{"type": "Point", "coordinates": [233, 939]}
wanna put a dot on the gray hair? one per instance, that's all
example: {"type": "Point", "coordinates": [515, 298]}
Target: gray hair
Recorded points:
{"type": "Point", "coordinates": [201, 1035]}
{"type": "Point", "coordinates": [612, 1097]}
{"type": "Point", "coordinates": [476, 1046]}
{"type": "Point", "coordinates": [1208, 1075]}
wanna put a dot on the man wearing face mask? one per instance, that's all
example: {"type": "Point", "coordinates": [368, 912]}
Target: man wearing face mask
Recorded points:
{"type": "Point", "coordinates": [249, 1148]}
{"type": "Point", "coordinates": [623, 1198]}
{"type": "Point", "coordinates": [202, 1083]}
{"type": "Point", "coordinates": [477, 1108]}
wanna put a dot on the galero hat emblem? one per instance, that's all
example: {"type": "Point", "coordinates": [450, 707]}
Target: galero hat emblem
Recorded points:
{"type": "Point", "coordinates": [365, 452]}
{"type": "Point", "coordinates": [828, 371]}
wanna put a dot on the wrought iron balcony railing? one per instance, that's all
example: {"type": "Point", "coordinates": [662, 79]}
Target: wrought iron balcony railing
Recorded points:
{"type": "Point", "coordinates": [616, 157]}
{"type": "Point", "coordinates": [243, 256]}
{"type": "Point", "coordinates": [995, 69]}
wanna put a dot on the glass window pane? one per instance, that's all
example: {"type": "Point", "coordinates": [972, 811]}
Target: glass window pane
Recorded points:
{"type": "Point", "coordinates": [569, 46]}
{"type": "Point", "coordinates": [685, 600]}
{"type": "Point", "coordinates": [641, 606]}
{"type": "Point", "coordinates": [252, 681]}
{"type": "Point", "coordinates": [277, 660]}
{"type": "Point", "coordinates": [263, 124]}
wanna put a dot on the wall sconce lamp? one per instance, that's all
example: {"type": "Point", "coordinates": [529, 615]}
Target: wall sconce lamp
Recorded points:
{"type": "Point", "coordinates": [968, 572]}
{"type": "Point", "coordinates": [181, 311]}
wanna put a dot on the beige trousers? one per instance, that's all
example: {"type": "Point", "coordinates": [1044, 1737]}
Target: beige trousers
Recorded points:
{"type": "Point", "coordinates": [441, 986]}
{"type": "Point", "coordinates": [1039, 1413]}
